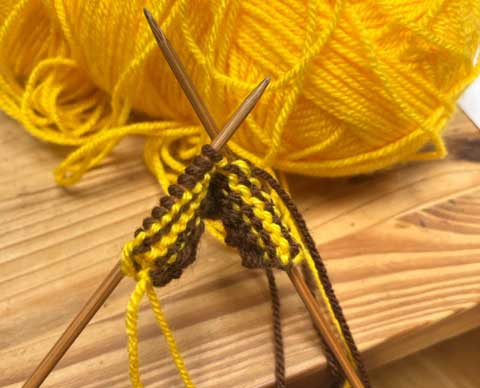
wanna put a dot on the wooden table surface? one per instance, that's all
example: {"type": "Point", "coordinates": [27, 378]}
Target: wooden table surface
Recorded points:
{"type": "Point", "coordinates": [402, 248]}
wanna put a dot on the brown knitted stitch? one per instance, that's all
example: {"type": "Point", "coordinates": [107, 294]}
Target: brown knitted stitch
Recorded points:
{"type": "Point", "coordinates": [158, 212]}
{"type": "Point", "coordinates": [192, 174]}
{"type": "Point", "coordinates": [269, 206]}
{"type": "Point", "coordinates": [186, 256]}
{"type": "Point", "coordinates": [167, 202]}
{"type": "Point", "coordinates": [211, 153]}
{"type": "Point", "coordinates": [186, 243]}
{"type": "Point", "coordinates": [239, 234]}
{"type": "Point", "coordinates": [229, 207]}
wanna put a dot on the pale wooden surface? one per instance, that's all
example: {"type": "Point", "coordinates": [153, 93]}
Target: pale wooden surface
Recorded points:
{"type": "Point", "coordinates": [450, 364]}
{"type": "Point", "coordinates": [402, 248]}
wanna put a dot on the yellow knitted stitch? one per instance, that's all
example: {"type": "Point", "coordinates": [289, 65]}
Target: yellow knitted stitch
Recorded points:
{"type": "Point", "coordinates": [281, 244]}
{"type": "Point", "coordinates": [253, 230]}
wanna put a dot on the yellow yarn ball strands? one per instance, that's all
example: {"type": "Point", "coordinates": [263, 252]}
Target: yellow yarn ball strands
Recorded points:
{"type": "Point", "coordinates": [357, 86]}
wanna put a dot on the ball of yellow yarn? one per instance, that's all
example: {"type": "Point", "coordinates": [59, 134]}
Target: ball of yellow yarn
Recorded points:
{"type": "Point", "coordinates": [357, 85]}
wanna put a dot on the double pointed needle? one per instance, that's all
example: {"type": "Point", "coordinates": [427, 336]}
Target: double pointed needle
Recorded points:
{"type": "Point", "coordinates": [206, 119]}
{"type": "Point", "coordinates": [116, 275]}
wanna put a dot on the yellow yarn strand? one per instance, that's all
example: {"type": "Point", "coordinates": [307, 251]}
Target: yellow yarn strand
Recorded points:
{"type": "Point", "coordinates": [162, 323]}
{"type": "Point", "coordinates": [131, 323]}
{"type": "Point", "coordinates": [144, 286]}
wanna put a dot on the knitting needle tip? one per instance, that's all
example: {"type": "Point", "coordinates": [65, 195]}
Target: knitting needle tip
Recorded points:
{"type": "Point", "coordinates": [190, 91]}
{"type": "Point", "coordinates": [240, 115]}
{"type": "Point", "coordinates": [263, 85]}
{"type": "Point", "coordinates": [266, 81]}
{"type": "Point", "coordinates": [181, 74]}
{"type": "Point", "coordinates": [157, 31]}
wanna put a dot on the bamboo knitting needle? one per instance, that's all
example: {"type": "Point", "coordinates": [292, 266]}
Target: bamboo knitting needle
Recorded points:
{"type": "Point", "coordinates": [206, 119]}
{"type": "Point", "coordinates": [324, 328]}
{"type": "Point", "coordinates": [116, 275]}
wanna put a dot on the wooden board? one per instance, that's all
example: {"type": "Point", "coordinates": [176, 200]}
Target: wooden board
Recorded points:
{"type": "Point", "coordinates": [450, 364]}
{"type": "Point", "coordinates": [402, 248]}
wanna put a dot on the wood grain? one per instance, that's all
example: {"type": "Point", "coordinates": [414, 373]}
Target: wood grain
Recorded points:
{"type": "Point", "coordinates": [402, 248]}
{"type": "Point", "coordinates": [450, 364]}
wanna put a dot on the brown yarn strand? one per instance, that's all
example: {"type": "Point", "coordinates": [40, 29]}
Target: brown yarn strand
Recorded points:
{"type": "Point", "coordinates": [280, 381]}
{"type": "Point", "coordinates": [320, 266]}
{"type": "Point", "coordinates": [112, 280]}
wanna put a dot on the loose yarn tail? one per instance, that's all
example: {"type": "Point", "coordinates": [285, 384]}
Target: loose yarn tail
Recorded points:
{"type": "Point", "coordinates": [144, 286]}
{"type": "Point", "coordinates": [167, 333]}
{"type": "Point", "coordinates": [131, 322]}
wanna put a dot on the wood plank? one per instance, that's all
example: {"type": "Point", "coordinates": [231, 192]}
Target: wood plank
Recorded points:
{"type": "Point", "coordinates": [450, 364]}
{"type": "Point", "coordinates": [402, 247]}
